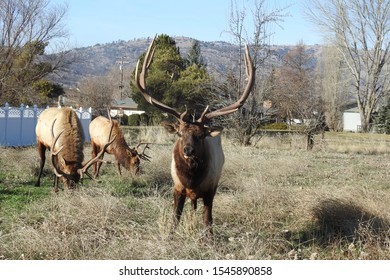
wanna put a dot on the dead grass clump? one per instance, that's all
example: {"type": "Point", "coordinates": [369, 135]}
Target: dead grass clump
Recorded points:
{"type": "Point", "coordinates": [74, 225]}
{"type": "Point", "coordinates": [156, 135]}
{"type": "Point", "coordinates": [338, 218]}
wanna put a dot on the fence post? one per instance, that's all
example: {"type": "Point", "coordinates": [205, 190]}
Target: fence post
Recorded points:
{"type": "Point", "coordinates": [21, 124]}
{"type": "Point", "coordinates": [6, 112]}
{"type": "Point", "coordinates": [35, 110]}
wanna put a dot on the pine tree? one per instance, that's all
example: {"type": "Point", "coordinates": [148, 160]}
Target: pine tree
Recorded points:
{"type": "Point", "coordinates": [173, 81]}
{"type": "Point", "coordinates": [194, 55]}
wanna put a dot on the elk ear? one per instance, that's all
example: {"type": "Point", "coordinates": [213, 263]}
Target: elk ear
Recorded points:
{"type": "Point", "coordinates": [170, 127]}
{"type": "Point", "coordinates": [214, 130]}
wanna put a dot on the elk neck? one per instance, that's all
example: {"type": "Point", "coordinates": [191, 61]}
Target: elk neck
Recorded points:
{"type": "Point", "coordinates": [191, 171]}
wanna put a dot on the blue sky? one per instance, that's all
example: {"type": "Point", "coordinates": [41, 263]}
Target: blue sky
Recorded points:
{"type": "Point", "coordinates": [90, 22]}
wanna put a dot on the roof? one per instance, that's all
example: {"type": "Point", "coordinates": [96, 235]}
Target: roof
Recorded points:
{"type": "Point", "coordinates": [352, 110]}
{"type": "Point", "coordinates": [126, 103]}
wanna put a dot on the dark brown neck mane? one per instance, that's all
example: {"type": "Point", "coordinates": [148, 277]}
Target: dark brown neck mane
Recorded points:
{"type": "Point", "coordinates": [191, 171]}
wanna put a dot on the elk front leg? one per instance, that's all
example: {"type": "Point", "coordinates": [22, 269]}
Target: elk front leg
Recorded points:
{"type": "Point", "coordinates": [179, 198]}
{"type": "Point", "coordinates": [118, 167]}
{"type": "Point", "coordinates": [42, 156]}
{"type": "Point", "coordinates": [207, 214]}
{"type": "Point", "coordinates": [56, 183]}
{"type": "Point", "coordinates": [97, 165]}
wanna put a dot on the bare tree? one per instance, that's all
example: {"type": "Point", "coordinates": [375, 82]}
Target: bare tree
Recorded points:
{"type": "Point", "coordinates": [96, 92]}
{"type": "Point", "coordinates": [296, 96]}
{"type": "Point", "coordinates": [361, 29]}
{"type": "Point", "coordinates": [335, 84]}
{"type": "Point", "coordinates": [26, 28]}
{"type": "Point", "coordinates": [259, 20]}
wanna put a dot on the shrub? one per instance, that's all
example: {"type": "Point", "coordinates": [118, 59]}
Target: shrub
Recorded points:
{"type": "Point", "coordinates": [276, 126]}
{"type": "Point", "coordinates": [134, 120]}
{"type": "Point", "coordinates": [144, 119]}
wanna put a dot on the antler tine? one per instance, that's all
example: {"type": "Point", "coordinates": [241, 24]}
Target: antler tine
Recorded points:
{"type": "Point", "coordinates": [89, 163]}
{"type": "Point", "coordinates": [108, 113]}
{"type": "Point", "coordinates": [250, 71]}
{"type": "Point", "coordinates": [142, 155]}
{"type": "Point", "coordinates": [140, 82]}
{"type": "Point", "coordinates": [203, 114]}
{"type": "Point", "coordinates": [183, 115]}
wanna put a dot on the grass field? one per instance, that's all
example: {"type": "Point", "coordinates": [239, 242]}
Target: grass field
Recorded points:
{"type": "Point", "coordinates": [275, 201]}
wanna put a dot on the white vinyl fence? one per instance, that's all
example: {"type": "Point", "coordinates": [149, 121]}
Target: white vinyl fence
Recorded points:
{"type": "Point", "coordinates": [17, 125]}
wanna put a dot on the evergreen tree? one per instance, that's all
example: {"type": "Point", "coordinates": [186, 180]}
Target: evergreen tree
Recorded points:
{"type": "Point", "coordinates": [382, 118]}
{"type": "Point", "coordinates": [194, 55]}
{"type": "Point", "coordinates": [172, 81]}
{"type": "Point", "coordinates": [27, 28]}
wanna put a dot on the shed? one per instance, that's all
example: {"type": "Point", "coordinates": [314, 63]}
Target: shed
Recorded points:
{"type": "Point", "coordinates": [351, 120]}
{"type": "Point", "coordinates": [127, 106]}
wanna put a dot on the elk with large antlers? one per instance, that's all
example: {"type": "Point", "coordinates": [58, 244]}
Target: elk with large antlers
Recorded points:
{"type": "Point", "coordinates": [197, 156]}
{"type": "Point", "coordinates": [101, 129]}
{"type": "Point", "coordinates": [60, 131]}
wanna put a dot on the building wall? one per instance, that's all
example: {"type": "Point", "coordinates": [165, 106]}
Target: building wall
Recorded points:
{"type": "Point", "coordinates": [351, 121]}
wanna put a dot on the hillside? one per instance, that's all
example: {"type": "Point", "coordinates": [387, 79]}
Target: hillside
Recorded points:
{"type": "Point", "coordinates": [99, 59]}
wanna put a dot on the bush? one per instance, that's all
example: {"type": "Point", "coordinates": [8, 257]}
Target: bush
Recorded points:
{"type": "Point", "coordinates": [124, 120]}
{"type": "Point", "coordinates": [144, 119]}
{"type": "Point", "coordinates": [276, 126]}
{"type": "Point", "coordinates": [134, 120]}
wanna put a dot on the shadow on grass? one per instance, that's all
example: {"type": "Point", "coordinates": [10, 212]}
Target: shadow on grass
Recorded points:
{"type": "Point", "coordinates": [337, 220]}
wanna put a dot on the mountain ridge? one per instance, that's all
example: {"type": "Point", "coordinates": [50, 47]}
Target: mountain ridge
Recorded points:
{"type": "Point", "coordinates": [100, 59]}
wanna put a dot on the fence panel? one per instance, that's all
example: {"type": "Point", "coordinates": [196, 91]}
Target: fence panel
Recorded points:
{"type": "Point", "coordinates": [17, 125]}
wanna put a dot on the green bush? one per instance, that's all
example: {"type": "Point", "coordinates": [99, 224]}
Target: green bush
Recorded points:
{"type": "Point", "coordinates": [144, 119]}
{"type": "Point", "coordinates": [133, 120]}
{"type": "Point", "coordinates": [124, 120]}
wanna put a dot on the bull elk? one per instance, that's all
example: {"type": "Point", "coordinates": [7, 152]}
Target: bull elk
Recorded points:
{"type": "Point", "coordinates": [101, 129]}
{"type": "Point", "coordinates": [60, 131]}
{"type": "Point", "coordinates": [197, 157]}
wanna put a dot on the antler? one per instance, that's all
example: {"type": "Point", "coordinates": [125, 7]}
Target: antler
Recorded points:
{"type": "Point", "coordinates": [205, 117]}
{"type": "Point", "coordinates": [89, 163]}
{"type": "Point", "coordinates": [54, 154]}
{"type": "Point", "coordinates": [140, 81]}
{"type": "Point", "coordinates": [250, 73]}
{"type": "Point", "coordinates": [142, 155]}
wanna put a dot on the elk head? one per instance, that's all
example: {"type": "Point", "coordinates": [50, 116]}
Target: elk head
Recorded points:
{"type": "Point", "coordinates": [134, 157]}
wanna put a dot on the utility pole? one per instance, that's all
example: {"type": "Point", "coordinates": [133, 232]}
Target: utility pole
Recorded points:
{"type": "Point", "coordinates": [121, 63]}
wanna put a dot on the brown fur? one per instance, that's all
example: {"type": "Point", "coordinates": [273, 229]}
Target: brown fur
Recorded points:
{"type": "Point", "coordinates": [99, 130]}
{"type": "Point", "coordinates": [70, 158]}
{"type": "Point", "coordinates": [197, 161]}
{"type": "Point", "coordinates": [197, 158]}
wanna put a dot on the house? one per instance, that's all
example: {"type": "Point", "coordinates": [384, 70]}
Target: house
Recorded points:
{"type": "Point", "coordinates": [351, 120]}
{"type": "Point", "coordinates": [126, 106]}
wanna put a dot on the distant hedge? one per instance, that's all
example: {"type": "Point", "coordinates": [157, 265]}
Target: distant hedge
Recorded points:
{"type": "Point", "coordinates": [276, 126]}
{"type": "Point", "coordinates": [134, 120]}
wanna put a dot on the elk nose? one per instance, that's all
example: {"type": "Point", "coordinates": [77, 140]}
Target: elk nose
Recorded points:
{"type": "Point", "coordinates": [188, 151]}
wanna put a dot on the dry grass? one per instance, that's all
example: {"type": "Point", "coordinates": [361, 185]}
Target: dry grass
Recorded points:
{"type": "Point", "coordinates": [275, 201]}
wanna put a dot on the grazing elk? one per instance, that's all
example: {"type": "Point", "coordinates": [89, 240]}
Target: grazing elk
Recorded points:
{"type": "Point", "coordinates": [101, 129]}
{"type": "Point", "coordinates": [60, 131]}
{"type": "Point", "coordinates": [197, 156]}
